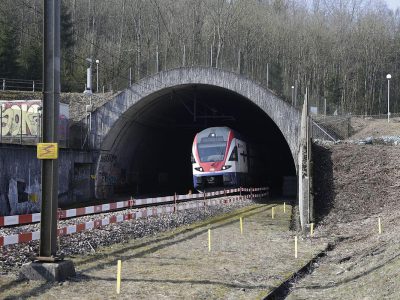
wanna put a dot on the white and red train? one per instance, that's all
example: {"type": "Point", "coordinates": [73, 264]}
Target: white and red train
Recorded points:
{"type": "Point", "coordinates": [221, 157]}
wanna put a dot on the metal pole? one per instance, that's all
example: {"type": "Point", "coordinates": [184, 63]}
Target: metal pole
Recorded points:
{"type": "Point", "coordinates": [388, 114]}
{"type": "Point", "coordinates": [4, 84]}
{"type": "Point", "coordinates": [292, 95]}
{"type": "Point", "coordinates": [130, 77]}
{"type": "Point", "coordinates": [267, 74]}
{"type": "Point", "coordinates": [51, 97]}
{"type": "Point", "coordinates": [33, 85]}
{"type": "Point", "coordinates": [325, 106]}
{"type": "Point", "coordinates": [97, 77]}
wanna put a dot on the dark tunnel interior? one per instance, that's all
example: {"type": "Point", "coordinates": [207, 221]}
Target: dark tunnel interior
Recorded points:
{"type": "Point", "coordinates": [161, 162]}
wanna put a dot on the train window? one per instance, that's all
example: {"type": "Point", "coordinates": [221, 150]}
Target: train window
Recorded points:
{"type": "Point", "coordinates": [211, 152]}
{"type": "Point", "coordinates": [234, 155]}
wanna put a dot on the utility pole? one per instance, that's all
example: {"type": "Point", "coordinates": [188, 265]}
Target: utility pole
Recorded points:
{"type": "Point", "coordinates": [292, 95]}
{"type": "Point", "coordinates": [51, 99]}
{"type": "Point", "coordinates": [47, 265]}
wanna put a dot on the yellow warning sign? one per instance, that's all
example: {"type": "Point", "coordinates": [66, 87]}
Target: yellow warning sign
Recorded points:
{"type": "Point", "coordinates": [47, 150]}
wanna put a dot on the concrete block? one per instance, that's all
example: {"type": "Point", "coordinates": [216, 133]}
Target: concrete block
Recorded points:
{"type": "Point", "coordinates": [54, 271]}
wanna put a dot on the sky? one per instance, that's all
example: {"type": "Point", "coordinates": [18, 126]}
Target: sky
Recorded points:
{"type": "Point", "coordinates": [393, 4]}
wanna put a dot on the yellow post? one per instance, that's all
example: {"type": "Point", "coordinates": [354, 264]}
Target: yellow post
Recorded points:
{"type": "Point", "coordinates": [209, 240]}
{"type": "Point", "coordinates": [119, 267]}
{"type": "Point", "coordinates": [284, 207]}
{"type": "Point", "coordinates": [241, 225]}
{"type": "Point", "coordinates": [379, 225]}
{"type": "Point", "coordinates": [272, 212]}
{"type": "Point", "coordinates": [295, 246]}
{"type": "Point", "coordinates": [311, 229]}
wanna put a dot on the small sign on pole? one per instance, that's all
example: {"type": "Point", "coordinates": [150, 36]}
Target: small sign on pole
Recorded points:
{"type": "Point", "coordinates": [47, 150]}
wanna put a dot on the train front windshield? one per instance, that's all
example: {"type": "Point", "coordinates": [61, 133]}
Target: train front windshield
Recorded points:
{"type": "Point", "coordinates": [211, 152]}
{"type": "Point", "coordinates": [212, 144]}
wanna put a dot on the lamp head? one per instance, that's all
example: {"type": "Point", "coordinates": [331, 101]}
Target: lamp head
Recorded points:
{"type": "Point", "coordinates": [97, 61]}
{"type": "Point", "coordinates": [388, 76]}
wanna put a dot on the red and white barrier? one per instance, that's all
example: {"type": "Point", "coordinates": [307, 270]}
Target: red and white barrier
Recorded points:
{"type": "Point", "coordinates": [142, 213]}
{"type": "Point", "coordinates": [19, 219]}
{"type": "Point", "coordinates": [132, 203]}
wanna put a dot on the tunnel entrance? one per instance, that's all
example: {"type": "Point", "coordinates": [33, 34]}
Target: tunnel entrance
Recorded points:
{"type": "Point", "coordinates": [152, 155]}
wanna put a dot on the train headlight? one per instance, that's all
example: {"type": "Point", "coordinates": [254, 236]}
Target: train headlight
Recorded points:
{"type": "Point", "coordinates": [226, 167]}
{"type": "Point", "coordinates": [200, 169]}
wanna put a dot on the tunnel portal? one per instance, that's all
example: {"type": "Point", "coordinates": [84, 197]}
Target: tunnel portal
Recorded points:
{"type": "Point", "coordinates": [147, 147]}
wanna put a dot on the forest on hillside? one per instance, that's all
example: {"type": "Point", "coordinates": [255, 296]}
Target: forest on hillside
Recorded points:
{"type": "Point", "coordinates": [340, 50]}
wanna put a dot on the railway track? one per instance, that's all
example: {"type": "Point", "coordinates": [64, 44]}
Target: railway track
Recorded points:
{"type": "Point", "coordinates": [25, 228]}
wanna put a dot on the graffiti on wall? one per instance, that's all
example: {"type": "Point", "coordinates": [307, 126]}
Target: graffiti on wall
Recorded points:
{"type": "Point", "coordinates": [17, 117]}
{"type": "Point", "coordinates": [24, 196]}
{"type": "Point", "coordinates": [23, 118]}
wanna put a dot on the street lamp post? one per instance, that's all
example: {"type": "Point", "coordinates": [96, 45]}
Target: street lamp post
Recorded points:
{"type": "Point", "coordinates": [292, 95]}
{"type": "Point", "coordinates": [97, 75]}
{"type": "Point", "coordinates": [388, 77]}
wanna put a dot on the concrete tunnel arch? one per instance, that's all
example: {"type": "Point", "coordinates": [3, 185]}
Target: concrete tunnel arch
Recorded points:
{"type": "Point", "coordinates": [124, 116]}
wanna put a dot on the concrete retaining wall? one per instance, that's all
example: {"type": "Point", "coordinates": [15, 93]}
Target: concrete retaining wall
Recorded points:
{"type": "Point", "coordinates": [20, 179]}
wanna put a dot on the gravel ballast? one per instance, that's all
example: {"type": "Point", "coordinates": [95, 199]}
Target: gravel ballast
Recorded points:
{"type": "Point", "coordinates": [86, 242]}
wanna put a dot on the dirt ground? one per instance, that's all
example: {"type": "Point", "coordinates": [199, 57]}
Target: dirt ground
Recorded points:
{"type": "Point", "coordinates": [355, 186]}
{"type": "Point", "coordinates": [177, 265]}
{"type": "Point", "coordinates": [369, 127]}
